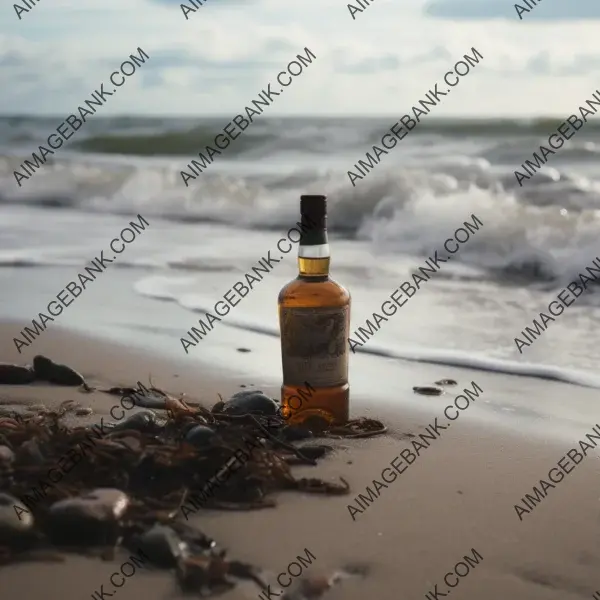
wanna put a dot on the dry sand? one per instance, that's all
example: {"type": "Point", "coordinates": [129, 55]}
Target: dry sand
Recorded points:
{"type": "Point", "coordinates": [458, 495]}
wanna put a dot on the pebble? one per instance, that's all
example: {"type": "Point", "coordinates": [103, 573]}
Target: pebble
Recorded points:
{"type": "Point", "coordinates": [15, 375]}
{"type": "Point", "coordinates": [445, 382]}
{"type": "Point", "coordinates": [163, 546]}
{"type": "Point", "coordinates": [14, 524]}
{"type": "Point", "coordinates": [101, 503]}
{"type": "Point", "coordinates": [200, 436]}
{"type": "Point", "coordinates": [295, 433]}
{"type": "Point", "coordinates": [250, 401]}
{"type": "Point", "coordinates": [428, 390]}
{"type": "Point", "coordinates": [87, 519]}
{"type": "Point", "coordinates": [7, 456]}
{"type": "Point", "coordinates": [47, 370]}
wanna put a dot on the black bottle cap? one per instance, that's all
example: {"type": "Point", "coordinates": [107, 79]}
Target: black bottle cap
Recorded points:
{"type": "Point", "coordinates": [313, 205]}
{"type": "Point", "coordinates": [313, 211]}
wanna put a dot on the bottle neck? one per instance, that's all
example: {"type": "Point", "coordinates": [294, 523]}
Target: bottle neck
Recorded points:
{"type": "Point", "coordinates": [313, 251]}
{"type": "Point", "coordinates": [313, 259]}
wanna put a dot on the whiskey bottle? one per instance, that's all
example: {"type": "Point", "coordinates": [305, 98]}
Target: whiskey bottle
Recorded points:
{"type": "Point", "coordinates": [314, 319]}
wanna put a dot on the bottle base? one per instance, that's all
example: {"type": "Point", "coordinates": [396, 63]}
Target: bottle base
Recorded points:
{"type": "Point", "coordinates": [315, 404]}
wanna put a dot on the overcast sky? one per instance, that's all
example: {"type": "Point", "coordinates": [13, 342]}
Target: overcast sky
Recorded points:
{"type": "Point", "coordinates": [217, 61]}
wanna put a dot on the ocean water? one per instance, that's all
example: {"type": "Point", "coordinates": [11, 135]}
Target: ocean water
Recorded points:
{"type": "Point", "coordinates": [534, 239]}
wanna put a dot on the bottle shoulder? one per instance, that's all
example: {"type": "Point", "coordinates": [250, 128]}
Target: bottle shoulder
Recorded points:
{"type": "Point", "coordinates": [302, 292]}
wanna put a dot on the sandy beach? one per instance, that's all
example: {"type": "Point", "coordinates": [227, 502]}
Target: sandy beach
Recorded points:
{"type": "Point", "coordinates": [457, 496]}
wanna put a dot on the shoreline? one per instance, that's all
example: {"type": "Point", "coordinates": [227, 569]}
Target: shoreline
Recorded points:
{"type": "Point", "coordinates": [224, 370]}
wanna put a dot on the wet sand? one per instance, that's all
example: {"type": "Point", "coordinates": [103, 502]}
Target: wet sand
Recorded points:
{"type": "Point", "coordinates": [458, 495]}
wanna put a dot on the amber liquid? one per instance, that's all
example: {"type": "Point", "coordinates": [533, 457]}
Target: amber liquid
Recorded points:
{"type": "Point", "coordinates": [313, 288]}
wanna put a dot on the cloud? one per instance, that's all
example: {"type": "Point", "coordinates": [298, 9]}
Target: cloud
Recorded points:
{"type": "Point", "coordinates": [227, 52]}
{"type": "Point", "coordinates": [370, 65]}
{"type": "Point", "coordinates": [388, 62]}
{"type": "Point", "coordinates": [492, 9]}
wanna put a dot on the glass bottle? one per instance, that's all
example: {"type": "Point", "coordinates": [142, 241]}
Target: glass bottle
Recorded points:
{"type": "Point", "coordinates": [314, 320]}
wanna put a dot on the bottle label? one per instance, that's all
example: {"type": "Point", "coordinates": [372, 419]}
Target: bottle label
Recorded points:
{"type": "Point", "coordinates": [314, 346]}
